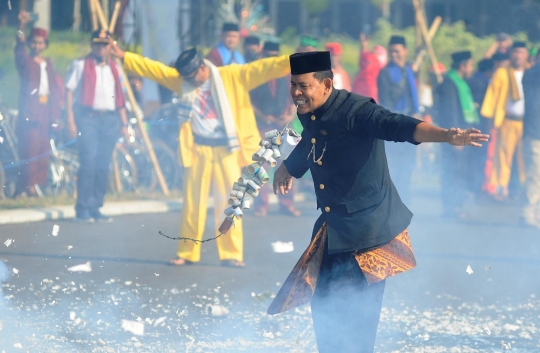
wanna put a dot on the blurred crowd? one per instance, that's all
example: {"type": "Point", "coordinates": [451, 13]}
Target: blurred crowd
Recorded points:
{"type": "Point", "coordinates": [498, 94]}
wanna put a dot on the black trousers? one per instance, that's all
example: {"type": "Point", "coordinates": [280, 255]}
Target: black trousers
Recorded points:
{"type": "Point", "coordinates": [98, 135]}
{"type": "Point", "coordinates": [345, 309]}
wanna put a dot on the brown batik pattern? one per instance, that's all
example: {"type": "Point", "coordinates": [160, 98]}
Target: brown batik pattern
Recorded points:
{"type": "Point", "coordinates": [300, 285]}
{"type": "Point", "coordinates": [389, 260]}
{"type": "Point", "coordinates": [377, 264]}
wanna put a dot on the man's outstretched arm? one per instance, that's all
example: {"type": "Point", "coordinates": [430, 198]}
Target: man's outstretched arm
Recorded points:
{"type": "Point", "coordinates": [151, 69]}
{"type": "Point", "coordinates": [425, 132]}
{"type": "Point", "coordinates": [260, 71]}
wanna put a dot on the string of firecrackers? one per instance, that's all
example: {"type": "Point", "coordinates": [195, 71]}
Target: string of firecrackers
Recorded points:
{"type": "Point", "coordinates": [275, 145]}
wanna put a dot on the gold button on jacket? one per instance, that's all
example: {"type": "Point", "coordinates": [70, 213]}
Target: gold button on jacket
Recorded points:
{"type": "Point", "coordinates": [321, 186]}
{"type": "Point", "coordinates": [313, 140]}
{"type": "Point", "coordinates": [313, 117]}
{"type": "Point", "coordinates": [327, 209]}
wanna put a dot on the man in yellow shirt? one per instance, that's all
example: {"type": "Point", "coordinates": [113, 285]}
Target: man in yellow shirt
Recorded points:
{"type": "Point", "coordinates": [220, 136]}
{"type": "Point", "coordinates": [505, 104]}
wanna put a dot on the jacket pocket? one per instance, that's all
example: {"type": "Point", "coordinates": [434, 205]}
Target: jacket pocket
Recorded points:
{"type": "Point", "coordinates": [365, 201]}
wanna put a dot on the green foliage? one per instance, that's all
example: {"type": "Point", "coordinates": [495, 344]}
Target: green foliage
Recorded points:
{"type": "Point", "coordinates": [315, 7]}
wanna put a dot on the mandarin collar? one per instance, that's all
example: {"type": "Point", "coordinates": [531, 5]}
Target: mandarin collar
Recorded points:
{"type": "Point", "coordinates": [323, 108]}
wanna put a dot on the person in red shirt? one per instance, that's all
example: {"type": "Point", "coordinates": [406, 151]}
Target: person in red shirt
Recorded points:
{"type": "Point", "coordinates": [370, 63]}
{"type": "Point", "coordinates": [39, 106]}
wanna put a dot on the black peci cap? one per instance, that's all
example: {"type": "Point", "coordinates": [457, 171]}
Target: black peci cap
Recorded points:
{"type": "Point", "coordinates": [398, 40]}
{"type": "Point", "coordinates": [461, 56]}
{"type": "Point", "coordinates": [188, 62]}
{"type": "Point", "coordinates": [252, 40]}
{"type": "Point", "coordinates": [519, 45]}
{"type": "Point", "coordinates": [302, 63]}
{"type": "Point", "coordinates": [230, 27]}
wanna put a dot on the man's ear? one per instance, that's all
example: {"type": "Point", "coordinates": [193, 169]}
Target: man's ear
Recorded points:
{"type": "Point", "coordinates": [328, 83]}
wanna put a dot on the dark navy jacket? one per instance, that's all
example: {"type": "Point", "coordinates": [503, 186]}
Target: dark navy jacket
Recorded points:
{"type": "Point", "coordinates": [359, 201]}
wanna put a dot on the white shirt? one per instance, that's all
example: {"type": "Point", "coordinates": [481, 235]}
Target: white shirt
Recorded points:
{"type": "Point", "coordinates": [43, 89]}
{"type": "Point", "coordinates": [338, 81]}
{"type": "Point", "coordinates": [516, 108]}
{"type": "Point", "coordinates": [105, 86]}
{"type": "Point", "coordinates": [205, 121]}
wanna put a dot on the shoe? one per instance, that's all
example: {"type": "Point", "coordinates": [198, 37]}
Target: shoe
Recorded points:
{"type": "Point", "coordinates": [233, 263]}
{"type": "Point", "coordinates": [84, 217]}
{"type": "Point", "coordinates": [100, 217]}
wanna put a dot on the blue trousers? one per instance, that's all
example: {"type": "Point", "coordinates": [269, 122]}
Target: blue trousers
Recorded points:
{"type": "Point", "coordinates": [98, 135]}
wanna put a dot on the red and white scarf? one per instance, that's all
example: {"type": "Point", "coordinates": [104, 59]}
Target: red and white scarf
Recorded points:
{"type": "Point", "coordinates": [89, 83]}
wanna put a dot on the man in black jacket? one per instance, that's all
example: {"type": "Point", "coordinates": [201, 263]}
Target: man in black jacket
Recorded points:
{"type": "Point", "coordinates": [343, 146]}
{"type": "Point", "coordinates": [454, 106]}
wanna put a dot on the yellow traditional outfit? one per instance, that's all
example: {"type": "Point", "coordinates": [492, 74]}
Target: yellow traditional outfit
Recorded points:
{"type": "Point", "coordinates": [502, 92]}
{"type": "Point", "coordinates": [217, 165]}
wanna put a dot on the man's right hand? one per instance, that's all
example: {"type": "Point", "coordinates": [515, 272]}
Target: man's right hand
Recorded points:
{"type": "Point", "coordinates": [24, 18]}
{"type": "Point", "coordinates": [282, 180]}
{"type": "Point", "coordinates": [115, 49]}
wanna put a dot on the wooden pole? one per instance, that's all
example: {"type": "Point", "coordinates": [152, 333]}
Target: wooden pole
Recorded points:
{"type": "Point", "coordinates": [93, 15]}
{"type": "Point", "coordinates": [138, 111]}
{"type": "Point", "coordinates": [427, 40]}
{"type": "Point", "coordinates": [77, 16]}
{"type": "Point", "coordinates": [114, 18]}
{"type": "Point", "coordinates": [432, 31]}
{"type": "Point", "coordinates": [105, 7]}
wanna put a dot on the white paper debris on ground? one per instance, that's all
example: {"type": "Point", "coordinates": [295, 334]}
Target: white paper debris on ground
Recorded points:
{"type": "Point", "coordinates": [487, 331]}
{"type": "Point", "coordinates": [1, 139]}
{"type": "Point", "coordinates": [488, 268]}
{"type": "Point", "coordinates": [283, 247]}
{"type": "Point", "coordinates": [81, 268]}
{"type": "Point", "coordinates": [469, 270]}
{"type": "Point", "coordinates": [102, 342]}
{"type": "Point", "coordinates": [69, 247]}
{"type": "Point", "coordinates": [55, 230]}
{"type": "Point", "coordinates": [268, 335]}
{"type": "Point", "coordinates": [8, 242]}
{"type": "Point", "coordinates": [34, 91]}
{"type": "Point", "coordinates": [15, 271]}
{"type": "Point", "coordinates": [160, 320]}
{"type": "Point", "coordinates": [72, 315]}
{"type": "Point", "coordinates": [136, 328]}
{"type": "Point", "coordinates": [217, 310]}
{"type": "Point", "coordinates": [17, 345]}
{"type": "Point", "coordinates": [506, 346]}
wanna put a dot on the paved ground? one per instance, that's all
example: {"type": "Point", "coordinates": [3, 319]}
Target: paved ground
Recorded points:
{"type": "Point", "coordinates": [437, 307]}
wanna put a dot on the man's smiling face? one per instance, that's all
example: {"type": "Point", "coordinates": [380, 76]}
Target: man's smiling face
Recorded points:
{"type": "Point", "coordinates": [308, 93]}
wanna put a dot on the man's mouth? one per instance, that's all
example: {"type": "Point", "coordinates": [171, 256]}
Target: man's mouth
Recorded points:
{"type": "Point", "coordinates": [301, 102]}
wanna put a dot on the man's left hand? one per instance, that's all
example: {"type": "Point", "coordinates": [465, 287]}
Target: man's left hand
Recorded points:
{"type": "Point", "coordinates": [469, 137]}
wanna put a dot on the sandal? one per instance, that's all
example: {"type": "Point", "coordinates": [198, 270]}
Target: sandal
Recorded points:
{"type": "Point", "coordinates": [178, 261]}
{"type": "Point", "coordinates": [232, 263]}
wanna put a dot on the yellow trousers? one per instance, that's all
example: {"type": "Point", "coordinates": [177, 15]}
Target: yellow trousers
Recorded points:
{"type": "Point", "coordinates": [218, 168]}
{"type": "Point", "coordinates": [509, 142]}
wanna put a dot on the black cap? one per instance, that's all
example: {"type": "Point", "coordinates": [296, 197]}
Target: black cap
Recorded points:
{"type": "Point", "coordinates": [188, 62]}
{"type": "Point", "coordinates": [500, 57]}
{"type": "Point", "coordinates": [302, 63]}
{"type": "Point", "coordinates": [519, 45]}
{"type": "Point", "coordinates": [230, 27]}
{"type": "Point", "coordinates": [101, 36]}
{"type": "Point", "coordinates": [271, 46]}
{"type": "Point", "coordinates": [398, 40]}
{"type": "Point", "coordinates": [461, 56]}
{"type": "Point", "coordinates": [252, 40]}
{"type": "Point", "coordinates": [485, 65]}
